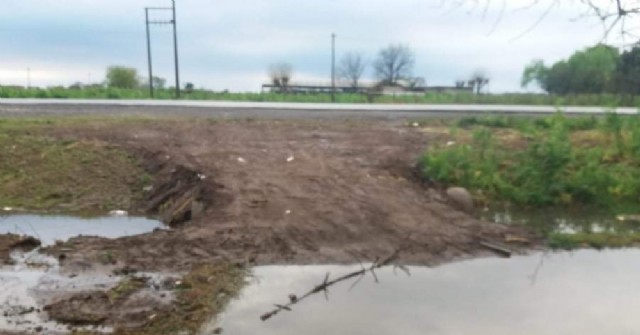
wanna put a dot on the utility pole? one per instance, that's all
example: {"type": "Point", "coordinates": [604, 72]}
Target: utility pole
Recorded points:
{"type": "Point", "coordinates": [333, 67]}
{"type": "Point", "coordinates": [146, 13]}
{"type": "Point", "coordinates": [175, 43]}
{"type": "Point", "coordinates": [175, 48]}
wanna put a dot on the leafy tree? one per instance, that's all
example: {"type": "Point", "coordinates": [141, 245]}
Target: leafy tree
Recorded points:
{"type": "Point", "coordinates": [628, 72]}
{"type": "Point", "coordinates": [593, 69]}
{"type": "Point", "coordinates": [535, 72]}
{"type": "Point", "coordinates": [394, 63]}
{"type": "Point", "coordinates": [122, 77]}
{"type": "Point", "coordinates": [558, 80]}
{"type": "Point", "coordinates": [587, 71]}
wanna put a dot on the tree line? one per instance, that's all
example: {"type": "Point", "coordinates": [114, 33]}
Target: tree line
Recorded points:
{"type": "Point", "coordinates": [392, 66]}
{"type": "Point", "coordinates": [594, 70]}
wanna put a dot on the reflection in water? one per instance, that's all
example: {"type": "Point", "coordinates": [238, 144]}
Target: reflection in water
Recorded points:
{"type": "Point", "coordinates": [48, 229]}
{"type": "Point", "coordinates": [585, 292]}
{"type": "Point", "coordinates": [566, 221]}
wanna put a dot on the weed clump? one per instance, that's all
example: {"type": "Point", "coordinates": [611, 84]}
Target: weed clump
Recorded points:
{"type": "Point", "coordinates": [548, 161]}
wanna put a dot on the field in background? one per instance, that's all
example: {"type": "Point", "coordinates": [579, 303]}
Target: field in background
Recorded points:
{"type": "Point", "coordinates": [606, 100]}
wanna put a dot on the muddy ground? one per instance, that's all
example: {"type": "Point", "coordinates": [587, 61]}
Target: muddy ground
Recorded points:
{"type": "Point", "coordinates": [11, 242]}
{"type": "Point", "coordinates": [273, 192]}
{"type": "Point", "coordinates": [284, 192]}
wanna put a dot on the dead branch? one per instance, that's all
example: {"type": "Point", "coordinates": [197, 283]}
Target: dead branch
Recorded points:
{"type": "Point", "coordinates": [326, 284]}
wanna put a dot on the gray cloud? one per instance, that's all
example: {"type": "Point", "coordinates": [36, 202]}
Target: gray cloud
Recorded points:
{"type": "Point", "coordinates": [229, 44]}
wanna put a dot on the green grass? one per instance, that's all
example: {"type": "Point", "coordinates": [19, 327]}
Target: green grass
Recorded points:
{"type": "Point", "coordinates": [203, 294]}
{"type": "Point", "coordinates": [542, 162]}
{"type": "Point", "coordinates": [546, 164]}
{"type": "Point", "coordinates": [39, 172]}
{"type": "Point", "coordinates": [96, 92]}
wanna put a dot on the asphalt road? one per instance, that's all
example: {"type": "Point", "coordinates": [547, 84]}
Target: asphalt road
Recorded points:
{"type": "Point", "coordinates": [225, 109]}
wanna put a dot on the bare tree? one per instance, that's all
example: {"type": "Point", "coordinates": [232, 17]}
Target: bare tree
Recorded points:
{"type": "Point", "coordinates": [394, 63]}
{"type": "Point", "coordinates": [416, 82]}
{"type": "Point", "coordinates": [280, 75]}
{"type": "Point", "coordinates": [613, 14]}
{"type": "Point", "coordinates": [479, 79]}
{"type": "Point", "coordinates": [351, 68]}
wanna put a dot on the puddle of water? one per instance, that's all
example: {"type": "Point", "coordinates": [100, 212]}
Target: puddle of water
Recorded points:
{"type": "Point", "coordinates": [564, 221]}
{"type": "Point", "coordinates": [49, 229]}
{"type": "Point", "coordinates": [585, 292]}
{"type": "Point", "coordinates": [35, 280]}
{"type": "Point", "coordinates": [25, 290]}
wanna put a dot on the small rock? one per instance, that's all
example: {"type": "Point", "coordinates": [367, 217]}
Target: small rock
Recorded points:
{"type": "Point", "coordinates": [217, 331]}
{"type": "Point", "coordinates": [416, 124]}
{"type": "Point", "coordinates": [287, 212]}
{"type": "Point", "coordinates": [451, 143]}
{"type": "Point", "coordinates": [290, 159]}
{"type": "Point", "coordinates": [7, 209]}
{"type": "Point", "coordinates": [461, 198]}
{"type": "Point", "coordinates": [241, 160]}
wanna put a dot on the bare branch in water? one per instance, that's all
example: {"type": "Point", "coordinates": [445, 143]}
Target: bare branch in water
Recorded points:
{"type": "Point", "coordinates": [326, 283]}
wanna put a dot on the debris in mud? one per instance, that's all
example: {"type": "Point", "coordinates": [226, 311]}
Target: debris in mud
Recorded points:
{"type": "Point", "coordinates": [118, 213]}
{"type": "Point", "coordinates": [181, 197]}
{"type": "Point", "coordinates": [81, 309]}
{"type": "Point", "coordinates": [11, 242]}
{"type": "Point", "coordinates": [130, 304]}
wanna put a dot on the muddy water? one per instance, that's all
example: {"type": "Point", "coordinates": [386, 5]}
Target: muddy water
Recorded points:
{"type": "Point", "coordinates": [585, 292]}
{"type": "Point", "coordinates": [34, 280]}
{"type": "Point", "coordinates": [52, 228]}
{"type": "Point", "coordinates": [567, 221]}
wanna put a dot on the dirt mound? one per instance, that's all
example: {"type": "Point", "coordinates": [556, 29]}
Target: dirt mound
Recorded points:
{"type": "Point", "coordinates": [283, 191]}
{"type": "Point", "coordinates": [10, 242]}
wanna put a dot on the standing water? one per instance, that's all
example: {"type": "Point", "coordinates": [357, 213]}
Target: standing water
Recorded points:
{"type": "Point", "coordinates": [585, 292]}
{"type": "Point", "coordinates": [34, 279]}
{"type": "Point", "coordinates": [49, 229]}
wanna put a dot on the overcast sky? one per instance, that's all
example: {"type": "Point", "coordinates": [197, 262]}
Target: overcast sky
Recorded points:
{"type": "Point", "coordinates": [229, 44]}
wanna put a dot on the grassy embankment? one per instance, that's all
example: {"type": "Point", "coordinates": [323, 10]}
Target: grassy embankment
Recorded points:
{"type": "Point", "coordinates": [45, 173]}
{"type": "Point", "coordinates": [39, 172]}
{"type": "Point", "coordinates": [547, 162]}
{"type": "Point", "coordinates": [609, 100]}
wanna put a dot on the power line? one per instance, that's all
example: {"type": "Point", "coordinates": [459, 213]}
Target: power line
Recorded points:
{"type": "Point", "coordinates": [333, 67]}
{"type": "Point", "coordinates": [172, 22]}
